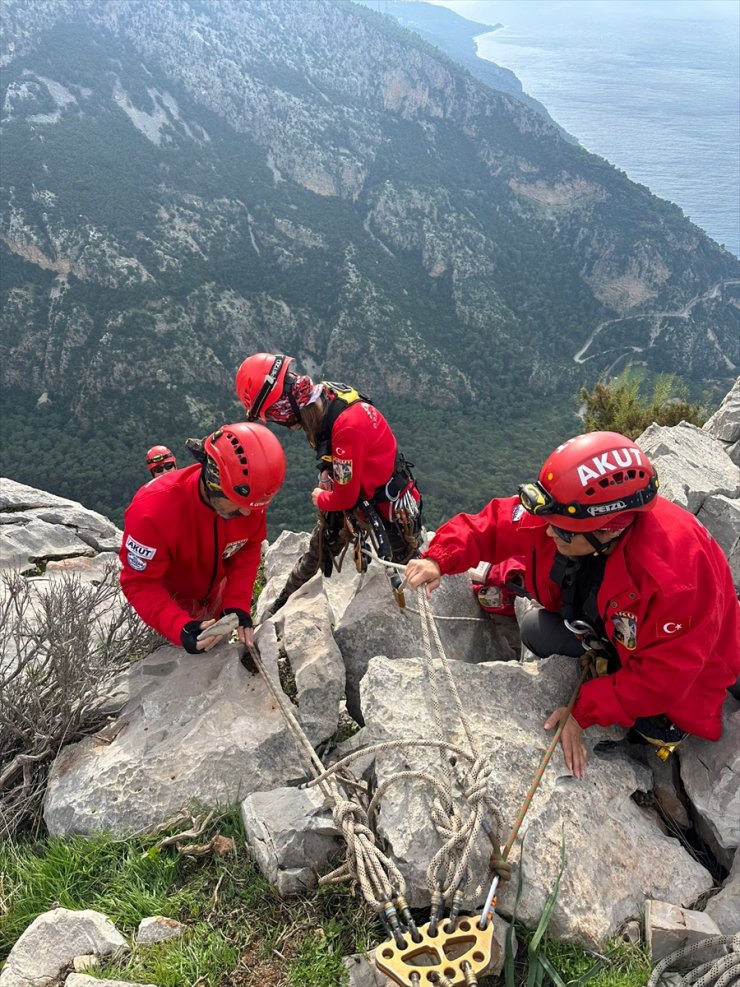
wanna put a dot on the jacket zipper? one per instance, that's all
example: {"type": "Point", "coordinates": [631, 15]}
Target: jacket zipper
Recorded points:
{"type": "Point", "coordinates": [534, 575]}
{"type": "Point", "coordinates": [214, 573]}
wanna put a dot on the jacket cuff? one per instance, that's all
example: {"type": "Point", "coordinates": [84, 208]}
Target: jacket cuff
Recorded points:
{"type": "Point", "coordinates": [597, 705]}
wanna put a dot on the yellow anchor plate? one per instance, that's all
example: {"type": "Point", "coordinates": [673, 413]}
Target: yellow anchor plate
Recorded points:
{"type": "Point", "coordinates": [439, 956]}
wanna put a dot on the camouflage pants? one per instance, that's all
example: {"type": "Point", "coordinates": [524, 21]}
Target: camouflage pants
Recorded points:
{"type": "Point", "coordinates": [329, 539]}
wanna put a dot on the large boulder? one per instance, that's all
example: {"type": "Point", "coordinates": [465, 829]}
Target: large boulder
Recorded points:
{"type": "Point", "coordinates": [710, 772]}
{"type": "Point", "coordinates": [280, 558]}
{"type": "Point", "coordinates": [36, 526]}
{"type": "Point", "coordinates": [312, 658]}
{"type": "Point", "coordinates": [616, 854]}
{"type": "Point", "coordinates": [292, 837]}
{"type": "Point", "coordinates": [721, 517]}
{"type": "Point", "coordinates": [724, 425]}
{"type": "Point", "coordinates": [691, 464]}
{"type": "Point", "coordinates": [50, 943]}
{"type": "Point", "coordinates": [194, 728]}
{"type": "Point", "coordinates": [724, 907]}
{"type": "Point", "coordinates": [373, 624]}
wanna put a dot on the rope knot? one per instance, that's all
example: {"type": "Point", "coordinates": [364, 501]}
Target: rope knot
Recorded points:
{"type": "Point", "coordinates": [499, 865]}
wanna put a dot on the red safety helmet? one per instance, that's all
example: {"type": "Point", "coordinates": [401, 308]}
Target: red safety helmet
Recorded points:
{"type": "Point", "coordinates": [260, 382]}
{"type": "Point", "coordinates": [159, 456]}
{"type": "Point", "coordinates": [249, 464]}
{"type": "Point", "coordinates": [590, 481]}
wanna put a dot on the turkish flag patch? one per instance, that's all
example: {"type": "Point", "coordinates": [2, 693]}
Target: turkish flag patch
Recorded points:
{"type": "Point", "coordinates": [670, 628]}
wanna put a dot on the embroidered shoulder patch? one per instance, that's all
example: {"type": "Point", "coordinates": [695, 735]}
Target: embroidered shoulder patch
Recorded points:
{"type": "Point", "coordinates": [139, 565]}
{"type": "Point", "coordinates": [233, 547]}
{"type": "Point", "coordinates": [136, 548]}
{"type": "Point", "coordinates": [342, 470]}
{"type": "Point", "coordinates": [625, 629]}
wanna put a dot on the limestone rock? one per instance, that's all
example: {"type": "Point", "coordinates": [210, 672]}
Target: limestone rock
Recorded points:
{"type": "Point", "coordinates": [724, 907]}
{"type": "Point", "coordinates": [373, 625]}
{"type": "Point", "coordinates": [283, 553]}
{"type": "Point", "coordinates": [710, 772]}
{"type": "Point", "coordinates": [29, 541]}
{"type": "Point", "coordinates": [691, 464]}
{"type": "Point", "coordinates": [158, 928]}
{"type": "Point", "coordinates": [85, 568]}
{"type": "Point", "coordinates": [193, 727]}
{"type": "Point", "coordinates": [292, 837]}
{"type": "Point", "coordinates": [315, 660]}
{"type": "Point", "coordinates": [51, 942]}
{"type": "Point", "coordinates": [615, 854]}
{"type": "Point", "coordinates": [721, 517]}
{"type": "Point", "coordinates": [668, 928]}
{"type": "Point", "coordinates": [362, 972]}
{"type": "Point", "coordinates": [724, 425]}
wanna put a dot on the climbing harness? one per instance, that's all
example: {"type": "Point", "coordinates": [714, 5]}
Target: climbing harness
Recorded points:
{"type": "Point", "coordinates": [720, 972]}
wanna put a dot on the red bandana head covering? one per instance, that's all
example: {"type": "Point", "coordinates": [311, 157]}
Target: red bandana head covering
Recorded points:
{"type": "Point", "coordinates": [304, 392]}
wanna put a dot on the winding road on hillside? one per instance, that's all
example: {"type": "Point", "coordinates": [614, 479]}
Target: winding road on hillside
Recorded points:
{"type": "Point", "coordinates": [655, 318]}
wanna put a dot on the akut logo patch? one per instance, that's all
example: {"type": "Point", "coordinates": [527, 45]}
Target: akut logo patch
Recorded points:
{"type": "Point", "coordinates": [603, 464]}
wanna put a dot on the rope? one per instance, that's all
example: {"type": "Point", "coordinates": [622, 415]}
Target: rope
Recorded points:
{"type": "Point", "coordinates": [722, 972]}
{"type": "Point", "coordinates": [449, 870]}
{"type": "Point", "coordinates": [375, 872]}
{"type": "Point", "coordinates": [499, 860]}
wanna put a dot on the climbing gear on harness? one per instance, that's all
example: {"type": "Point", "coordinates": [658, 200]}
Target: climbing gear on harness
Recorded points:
{"type": "Point", "coordinates": [590, 480]}
{"type": "Point", "coordinates": [661, 733]}
{"type": "Point", "coordinates": [245, 463]}
{"type": "Point", "coordinates": [376, 529]}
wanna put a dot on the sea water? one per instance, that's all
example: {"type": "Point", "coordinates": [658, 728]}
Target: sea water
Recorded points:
{"type": "Point", "coordinates": [653, 86]}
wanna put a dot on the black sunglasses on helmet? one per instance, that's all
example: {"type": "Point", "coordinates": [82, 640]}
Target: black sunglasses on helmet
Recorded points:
{"type": "Point", "coordinates": [270, 381]}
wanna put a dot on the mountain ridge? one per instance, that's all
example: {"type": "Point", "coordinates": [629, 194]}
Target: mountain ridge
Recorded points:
{"type": "Point", "coordinates": [188, 184]}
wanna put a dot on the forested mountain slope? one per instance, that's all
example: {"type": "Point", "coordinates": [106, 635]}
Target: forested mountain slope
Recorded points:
{"type": "Point", "coordinates": [189, 181]}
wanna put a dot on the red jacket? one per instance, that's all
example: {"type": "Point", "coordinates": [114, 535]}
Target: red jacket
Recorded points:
{"type": "Point", "coordinates": [181, 560]}
{"type": "Point", "coordinates": [364, 456]}
{"type": "Point", "coordinates": [667, 601]}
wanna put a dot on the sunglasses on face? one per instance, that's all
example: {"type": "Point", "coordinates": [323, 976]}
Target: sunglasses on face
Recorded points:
{"type": "Point", "coordinates": [163, 469]}
{"type": "Point", "coordinates": [563, 535]}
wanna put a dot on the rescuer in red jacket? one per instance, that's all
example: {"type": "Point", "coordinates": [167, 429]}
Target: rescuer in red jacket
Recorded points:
{"type": "Point", "coordinates": [360, 468]}
{"type": "Point", "coordinates": [192, 540]}
{"type": "Point", "coordinates": [160, 459]}
{"type": "Point", "coordinates": [612, 564]}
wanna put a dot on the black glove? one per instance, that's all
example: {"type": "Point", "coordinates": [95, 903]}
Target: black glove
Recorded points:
{"type": "Point", "coordinates": [245, 619]}
{"type": "Point", "coordinates": [189, 636]}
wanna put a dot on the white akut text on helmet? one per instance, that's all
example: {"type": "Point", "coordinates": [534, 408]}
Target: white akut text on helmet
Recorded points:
{"type": "Point", "coordinates": [623, 458]}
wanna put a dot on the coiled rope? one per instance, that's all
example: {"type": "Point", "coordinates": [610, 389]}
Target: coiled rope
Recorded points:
{"type": "Point", "coordinates": [722, 972]}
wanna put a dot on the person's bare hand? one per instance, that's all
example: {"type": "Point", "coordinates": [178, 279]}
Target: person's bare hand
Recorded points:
{"type": "Point", "coordinates": [423, 572]}
{"type": "Point", "coordinates": [315, 496]}
{"type": "Point", "coordinates": [571, 740]}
